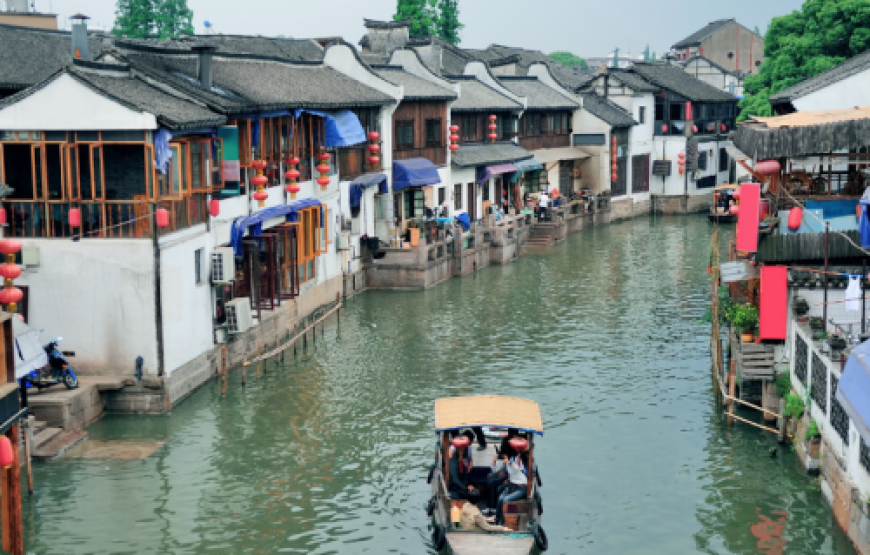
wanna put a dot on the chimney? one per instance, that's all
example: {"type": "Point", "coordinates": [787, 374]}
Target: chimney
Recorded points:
{"type": "Point", "coordinates": [80, 37]}
{"type": "Point", "coordinates": [205, 73]}
{"type": "Point", "coordinates": [19, 6]}
{"type": "Point", "coordinates": [383, 37]}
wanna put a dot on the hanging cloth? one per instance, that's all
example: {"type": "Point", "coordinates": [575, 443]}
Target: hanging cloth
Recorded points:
{"type": "Point", "coordinates": [853, 295]}
{"type": "Point", "coordinates": [864, 223]}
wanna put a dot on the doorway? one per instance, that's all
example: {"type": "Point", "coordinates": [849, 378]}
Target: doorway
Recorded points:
{"type": "Point", "coordinates": [472, 201]}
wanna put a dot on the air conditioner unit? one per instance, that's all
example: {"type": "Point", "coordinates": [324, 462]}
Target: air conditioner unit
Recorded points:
{"type": "Point", "coordinates": [239, 315]}
{"type": "Point", "coordinates": [343, 241]}
{"type": "Point", "coordinates": [223, 265]}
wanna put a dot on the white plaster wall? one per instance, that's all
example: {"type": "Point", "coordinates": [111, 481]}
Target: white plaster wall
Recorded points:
{"type": "Point", "coordinates": [341, 58]}
{"type": "Point", "coordinates": [99, 295]}
{"type": "Point", "coordinates": [460, 176]}
{"type": "Point", "coordinates": [842, 95]}
{"type": "Point", "coordinates": [595, 170]}
{"type": "Point", "coordinates": [67, 105]}
{"type": "Point", "coordinates": [231, 208]}
{"type": "Point", "coordinates": [667, 148]}
{"type": "Point", "coordinates": [641, 138]}
{"type": "Point", "coordinates": [187, 312]}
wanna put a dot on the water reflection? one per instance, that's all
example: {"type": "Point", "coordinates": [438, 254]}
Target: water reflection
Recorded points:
{"type": "Point", "coordinates": [329, 453]}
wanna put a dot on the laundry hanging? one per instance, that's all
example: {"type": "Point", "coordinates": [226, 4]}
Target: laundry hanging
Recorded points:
{"type": "Point", "coordinates": [853, 295]}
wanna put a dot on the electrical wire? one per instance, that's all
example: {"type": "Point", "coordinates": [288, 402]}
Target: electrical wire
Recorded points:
{"type": "Point", "coordinates": [821, 221]}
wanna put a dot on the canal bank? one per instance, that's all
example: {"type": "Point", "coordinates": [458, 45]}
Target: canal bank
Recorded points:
{"type": "Point", "coordinates": [328, 452]}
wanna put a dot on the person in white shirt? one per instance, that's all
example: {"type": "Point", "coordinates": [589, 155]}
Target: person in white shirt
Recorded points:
{"type": "Point", "coordinates": [543, 204]}
{"type": "Point", "coordinates": [517, 487]}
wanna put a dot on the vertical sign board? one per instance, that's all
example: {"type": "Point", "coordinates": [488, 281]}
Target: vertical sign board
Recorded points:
{"type": "Point", "coordinates": [773, 300]}
{"type": "Point", "coordinates": [748, 217]}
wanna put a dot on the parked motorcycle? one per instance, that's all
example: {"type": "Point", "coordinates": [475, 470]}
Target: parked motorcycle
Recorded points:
{"type": "Point", "coordinates": [56, 371]}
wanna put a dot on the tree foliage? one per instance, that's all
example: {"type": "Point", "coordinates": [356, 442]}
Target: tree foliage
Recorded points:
{"type": "Point", "coordinates": [144, 19]}
{"type": "Point", "coordinates": [803, 44]}
{"type": "Point", "coordinates": [448, 21]}
{"type": "Point", "coordinates": [423, 16]}
{"type": "Point", "coordinates": [569, 60]}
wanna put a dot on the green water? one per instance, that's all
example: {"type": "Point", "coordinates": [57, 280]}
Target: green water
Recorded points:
{"type": "Point", "coordinates": [329, 453]}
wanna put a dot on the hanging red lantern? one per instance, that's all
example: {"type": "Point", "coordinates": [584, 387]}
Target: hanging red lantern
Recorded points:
{"type": "Point", "coordinates": [454, 137]}
{"type": "Point", "coordinates": [323, 168]}
{"type": "Point", "coordinates": [681, 155]}
{"type": "Point", "coordinates": [75, 217]}
{"type": "Point", "coordinates": [767, 167]}
{"type": "Point", "coordinates": [795, 218]}
{"type": "Point", "coordinates": [374, 160]}
{"type": "Point", "coordinates": [614, 177]}
{"type": "Point", "coordinates": [161, 217]}
{"type": "Point", "coordinates": [454, 147]}
{"type": "Point", "coordinates": [8, 270]}
{"type": "Point", "coordinates": [2, 216]}
{"type": "Point", "coordinates": [214, 208]}
{"type": "Point", "coordinates": [260, 197]}
{"type": "Point", "coordinates": [373, 148]}
{"type": "Point", "coordinates": [735, 210]}
{"type": "Point", "coordinates": [323, 182]}
{"type": "Point", "coordinates": [10, 246]}
{"type": "Point", "coordinates": [259, 182]}
{"type": "Point", "coordinates": [293, 174]}
{"type": "Point", "coordinates": [694, 129]}
{"type": "Point", "coordinates": [293, 188]}
{"type": "Point", "coordinates": [7, 455]}
{"type": "Point", "coordinates": [374, 136]}
{"type": "Point", "coordinates": [664, 128]}
{"type": "Point", "coordinates": [454, 129]}
{"type": "Point", "coordinates": [11, 296]}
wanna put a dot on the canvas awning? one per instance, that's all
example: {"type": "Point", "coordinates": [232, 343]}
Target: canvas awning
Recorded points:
{"type": "Point", "coordinates": [414, 172]}
{"type": "Point", "coordinates": [853, 389]}
{"type": "Point", "coordinates": [453, 413]}
{"type": "Point", "coordinates": [358, 185]}
{"type": "Point", "coordinates": [548, 155]}
{"type": "Point", "coordinates": [255, 220]}
{"type": "Point", "coordinates": [29, 354]}
{"type": "Point", "coordinates": [484, 173]}
{"type": "Point", "coordinates": [523, 166]}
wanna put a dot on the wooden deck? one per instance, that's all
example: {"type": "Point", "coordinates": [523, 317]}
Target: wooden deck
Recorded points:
{"type": "Point", "coordinates": [754, 362]}
{"type": "Point", "coordinates": [471, 543]}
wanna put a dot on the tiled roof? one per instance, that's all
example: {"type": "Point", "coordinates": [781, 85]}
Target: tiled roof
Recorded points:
{"type": "Point", "coordinates": [489, 154]}
{"type": "Point", "coordinates": [116, 83]}
{"type": "Point", "coordinates": [540, 96]}
{"type": "Point", "coordinates": [698, 36]}
{"type": "Point", "coordinates": [453, 60]}
{"type": "Point", "coordinates": [298, 50]}
{"type": "Point", "coordinates": [712, 64]}
{"type": "Point", "coordinates": [632, 81]}
{"type": "Point", "coordinates": [477, 96]}
{"type": "Point", "coordinates": [850, 67]}
{"type": "Point", "coordinates": [29, 56]}
{"type": "Point", "coordinates": [677, 80]}
{"type": "Point", "coordinates": [416, 88]}
{"type": "Point", "coordinates": [244, 83]}
{"type": "Point", "coordinates": [607, 111]}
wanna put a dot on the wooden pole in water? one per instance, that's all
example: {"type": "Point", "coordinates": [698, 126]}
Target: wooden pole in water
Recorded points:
{"type": "Point", "coordinates": [781, 422]}
{"type": "Point", "coordinates": [259, 349]}
{"type": "Point", "coordinates": [28, 441]}
{"type": "Point", "coordinates": [732, 390]}
{"type": "Point", "coordinates": [223, 369]}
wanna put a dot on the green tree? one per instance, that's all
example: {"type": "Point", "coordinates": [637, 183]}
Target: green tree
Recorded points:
{"type": "Point", "coordinates": [448, 21]}
{"type": "Point", "coordinates": [568, 60]}
{"type": "Point", "coordinates": [136, 19]}
{"type": "Point", "coordinates": [804, 43]}
{"type": "Point", "coordinates": [174, 18]}
{"type": "Point", "coordinates": [423, 16]}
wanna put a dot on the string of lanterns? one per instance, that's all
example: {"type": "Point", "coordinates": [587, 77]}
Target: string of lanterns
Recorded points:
{"type": "Point", "coordinates": [292, 175]}
{"type": "Point", "coordinates": [614, 166]}
{"type": "Point", "coordinates": [681, 163]}
{"type": "Point", "coordinates": [492, 127]}
{"type": "Point", "coordinates": [323, 168]}
{"type": "Point", "coordinates": [10, 295]}
{"type": "Point", "coordinates": [454, 138]}
{"type": "Point", "coordinates": [259, 182]}
{"type": "Point", "coordinates": [374, 150]}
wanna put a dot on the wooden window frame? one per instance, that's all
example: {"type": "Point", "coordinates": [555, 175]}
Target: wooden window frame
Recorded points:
{"type": "Point", "coordinates": [439, 139]}
{"type": "Point", "coordinates": [404, 123]}
{"type": "Point", "coordinates": [205, 159]}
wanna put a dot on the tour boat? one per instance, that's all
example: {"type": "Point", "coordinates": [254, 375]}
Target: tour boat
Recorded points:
{"type": "Point", "coordinates": [720, 210]}
{"type": "Point", "coordinates": [493, 415]}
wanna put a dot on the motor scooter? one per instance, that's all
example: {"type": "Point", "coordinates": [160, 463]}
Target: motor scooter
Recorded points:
{"type": "Point", "coordinates": [56, 371]}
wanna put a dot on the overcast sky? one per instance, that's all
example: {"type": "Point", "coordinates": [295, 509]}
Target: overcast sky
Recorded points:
{"type": "Point", "coordinates": [585, 27]}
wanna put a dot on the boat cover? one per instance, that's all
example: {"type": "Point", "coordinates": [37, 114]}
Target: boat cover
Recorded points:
{"type": "Point", "coordinates": [29, 354]}
{"type": "Point", "coordinates": [453, 413]}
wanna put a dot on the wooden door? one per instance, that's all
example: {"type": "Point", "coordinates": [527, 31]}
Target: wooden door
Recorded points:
{"type": "Point", "coordinates": [472, 202]}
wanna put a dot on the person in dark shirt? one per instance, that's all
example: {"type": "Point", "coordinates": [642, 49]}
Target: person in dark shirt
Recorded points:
{"type": "Point", "coordinates": [459, 469]}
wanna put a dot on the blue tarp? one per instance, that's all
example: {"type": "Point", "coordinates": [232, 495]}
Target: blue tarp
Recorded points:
{"type": "Point", "coordinates": [342, 128]}
{"type": "Point", "coordinates": [864, 223]}
{"type": "Point", "coordinates": [162, 152]}
{"type": "Point", "coordinates": [530, 165]}
{"type": "Point", "coordinates": [255, 220]}
{"type": "Point", "coordinates": [853, 389]}
{"type": "Point", "coordinates": [464, 220]}
{"type": "Point", "coordinates": [362, 182]}
{"type": "Point", "coordinates": [414, 172]}
{"type": "Point", "coordinates": [833, 208]}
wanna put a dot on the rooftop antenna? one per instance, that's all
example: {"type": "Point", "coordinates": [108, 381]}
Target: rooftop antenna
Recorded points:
{"type": "Point", "coordinates": [209, 30]}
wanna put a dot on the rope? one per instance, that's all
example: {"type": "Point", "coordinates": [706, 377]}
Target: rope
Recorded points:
{"type": "Point", "coordinates": [280, 348]}
{"type": "Point", "coordinates": [841, 234]}
{"type": "Point", "coordinates": [742, 402]}
{"type": "Point", "coordinates": [102, 229]}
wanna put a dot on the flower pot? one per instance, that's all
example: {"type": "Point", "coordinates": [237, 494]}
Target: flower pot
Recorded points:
{"type": "Point", "coordinates": [813, 446]}
{"type": "Point", "coordinates": [747, 338]}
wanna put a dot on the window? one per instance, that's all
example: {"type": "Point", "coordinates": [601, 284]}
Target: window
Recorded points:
{"type": "Point", "coordinates": [702, 161]}
{"type": "Point", "coordinates": [308, 234]}
{"type": "Point", "coordinates": [197, 266]}
{"type": "Point", "coordinates": [509, 128]}
{"type": "Point", "coordinates": [442, 195]}
{"type": "Point", "coordinates": [468, 128]}
{"type": "Point", "coordinates": [641, 115]}
{"type": "Point", "coordinates": [660, 111]}
{"type": "Point", "coordinates": [676, 111]}
{"type": "Point", "coordinates": [723, 160]}
{"type": "Point", "coordinates": [457, 197]}
{"type": "Point", "coordinates": [532, 124]}
{"type": "Point", "coordinates": [433, 132]}
{"type": "Point", "coordinates": [819, 383]}
{"type": "Point", "coordinates": [405, 134]}
{"type": "Point", "coordinates": [415, 203]}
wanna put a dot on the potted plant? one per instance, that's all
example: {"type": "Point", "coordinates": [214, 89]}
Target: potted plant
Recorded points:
{"type": "Point", "coordinates": [814, 439]}
{"type": "Point", "coordinates": [744, 318]}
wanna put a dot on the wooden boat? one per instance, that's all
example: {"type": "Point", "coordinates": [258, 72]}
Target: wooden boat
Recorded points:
{"type": "Point", "coordinates": [722, 201]}
{"type": "Point", "coordinates": [494, 414]}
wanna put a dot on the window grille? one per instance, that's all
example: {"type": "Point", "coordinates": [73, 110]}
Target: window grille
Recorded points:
{"type": "Point", "coordinates": [800, 359]}
{"type": "Point", "coordinates": [839, 418]}
{"type": "Point", "coordinates": [819, 383]}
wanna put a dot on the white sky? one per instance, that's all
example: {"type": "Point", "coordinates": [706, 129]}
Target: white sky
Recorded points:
{"type": "Point", "coordinates": [585, 27]}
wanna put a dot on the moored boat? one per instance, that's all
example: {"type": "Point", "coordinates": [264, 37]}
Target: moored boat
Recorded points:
{"type": "Point", "coordinates": [720, 210]}
{"type": "Point", "coordinates": [500, 467]}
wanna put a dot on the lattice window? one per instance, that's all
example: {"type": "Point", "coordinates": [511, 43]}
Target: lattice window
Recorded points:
{"type": "Point", "coordinates": [800, 359]}
{"type": "Point", "coordinates": [839, 418]}
{"type": "Point", "coordinates": [865, 455]}
{"type": "Point", "coordinates": [819, 383]}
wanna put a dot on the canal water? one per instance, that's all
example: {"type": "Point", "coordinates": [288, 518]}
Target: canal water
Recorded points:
{"type": "Point", "coordinates": [329, 453]}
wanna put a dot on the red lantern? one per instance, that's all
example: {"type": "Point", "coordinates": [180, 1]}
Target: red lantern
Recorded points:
{"type": "Point", "coordinates": [293, 161]}
{"type": "Point", "coordinates": [492, 127]}
{"type": "Point", "coordinates": [259, 181]}
{"type": "Point", "coordinates": [293, 188]}
{"type": "Point", "coordinates": [323, 168]}
{"type": "Point", "coordinates": [10, 295]}
{"type": "Point", "coordinates": [75, 217]}
{"type": "Point", "coordinates": [795, 217]}
{"type": "Point", "coordinates": [694, 129]}
{"type": "Point", "coordinates": [214, 208]}
{"type": "Point", "coordinates": [259, 165]}
{"type": "Point", "coordinates": [461, 442]}
{"type": "Point", "coordinates": [681, 155]}
{"type": "Point", "coordinates": [454, 147]}
{"type": "Point", "coordinates": [7, 455]}
{"type": "Point", "coordinates": [323, 156]}
{"type": "Point", "coordinates": [323, 181]}
{"type": "Point", "coordinates": [292, 175]}
{"type": "Point", "coordinates": [373, 148]}
{"type": "Point", "coordinates": [2, 216]}
{"type": "Point", "coordinates": [10, 271]}
{"type": "Point", "coordinates": [493, 118]}
{"type": "Point", "coordinates": [374, 160]}
{"type": "Point", "coordinates": [260, 196]}
{"type": "Point", "coordinates": [492, 137]}
{"type": "Point", "coordinates": [454, 138]}
{"type": "Point", "coordinates": [519, 444]}
{"type": "Point", "coordinates": [10, 246]}
{"type": "Point", "coordinates": [614, 177]}
{"type": "Point", "coordinates": [161, 217]}
{"type": "Point", "coordinates": [454, 129]}
{"type": "Point", "coordinates": [373, 136]}
{"type": "Point", "coordinates": [664, 128]}
{"type": "Point", "coordinates": [735, 210]}
{"type": "Point", "coordinates": [767, 167]}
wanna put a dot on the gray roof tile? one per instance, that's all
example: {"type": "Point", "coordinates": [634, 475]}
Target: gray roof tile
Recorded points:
{"type": "Point", "coordinates": [28, 56]}
{"type": "Point", "coordinates": [489, 154]}
{"type": "Point", "coordinates": [477, 96]}
{"type": "Point", "coordinates": [416, 88]}
{"type": "Point", "coordinates": [633, 81]}
{"type": "Point", "coordinates": [676, 79]}
{"type": "Point", "coordinates": [607, 111]}
{"type": "Point", "coordinates": [300, 50]}
{"type": "Point", "coordinates": [850, 67]}
{"type": "Point", "coordinates": [540, 96]}
{"type": "Point", "coordinates": [698, 36]}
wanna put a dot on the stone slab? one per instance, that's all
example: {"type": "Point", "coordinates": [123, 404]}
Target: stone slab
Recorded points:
{"type": "Point", "coordinates": [60, 444]}
{"type": "Point", "coordinates": [129, 450]}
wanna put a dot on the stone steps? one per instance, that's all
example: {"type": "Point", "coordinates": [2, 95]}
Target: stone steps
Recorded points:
{"type": "Point", "coordinates": [58, 444]}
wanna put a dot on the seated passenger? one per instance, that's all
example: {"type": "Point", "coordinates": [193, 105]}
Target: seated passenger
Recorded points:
{"type": "Point", "coordinates": [499, 475]}
{"type": "Point", "coordinates": [472, 519]}
{"type": "Point", "coordinates": [517, 486]}
{"type": "Point", "coordinates": [459, 469]}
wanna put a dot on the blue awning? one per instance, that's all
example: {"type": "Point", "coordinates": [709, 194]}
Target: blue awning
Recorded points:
{"type": "Point", "coordinates": [415, 172]}
{"type": "Point", "coordinates": [853, 389]}
{"type": "Point", "coordinates": [340, 128]}
{"type": "Point", "coordinates": [255, 220]}
{"type": "Point", "coordinates": [362, 182]}
{"type": "Point", "coordinates": [530, 165]}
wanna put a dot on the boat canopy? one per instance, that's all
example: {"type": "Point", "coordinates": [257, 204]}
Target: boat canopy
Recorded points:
{"type": "Point", "coordinates": [453, 413]}
{"type": "Point", "coordinates": [727, 186]}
